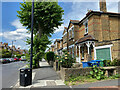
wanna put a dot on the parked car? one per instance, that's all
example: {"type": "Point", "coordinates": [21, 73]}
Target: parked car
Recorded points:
{"type": "Point", "coordinates": [11, 59]}
{"type": "Point", "coordinates": [8, 60]}
{"type": "Point", "coordinates": [3, 60]}
{"type": "Point", "coordinates": [23, 59]}
{"type": "Point", "coordinates": [19, 59]}
{"type": "Point", "coordinates": [16, 59]}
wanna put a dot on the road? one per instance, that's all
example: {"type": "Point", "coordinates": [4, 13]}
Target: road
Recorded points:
{"type": "Point", "coordinates": [10, 73]}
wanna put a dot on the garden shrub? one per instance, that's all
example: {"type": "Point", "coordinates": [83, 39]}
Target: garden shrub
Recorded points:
{"type": "Point", "coordinates": [49, 56]}
{"type": "Point", "coordinates": [66, 60]}
{"type": "Point", "coordinates": [115, 62]}
{"type": "Point", "coordinates": [107, 62]}
{"type": "Point", "coordinates": [97, 73]}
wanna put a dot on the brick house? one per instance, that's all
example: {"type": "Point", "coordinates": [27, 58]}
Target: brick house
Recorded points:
{"type": "Point", "coordinates": [65, 36]}
{"type": "Point", "coordinates": [73, 35]}
{"type": "Point", "coordinates": [99, 35]}
{"type": "Point", "coordinates": [60, 47]}
{"type": "Point", "coordinates": [52, 48]}
{"type": "Point", "coordinates": [56, 46]}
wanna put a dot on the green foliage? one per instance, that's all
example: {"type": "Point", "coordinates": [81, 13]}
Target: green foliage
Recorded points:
{"type": "Point", "coordinates": [107, 62]}
{"type": "Point", "coordinates": [49, 56]}
{"type": "Point", "coordinates": [5, 53]}
{"type": "Point", "coordinates": [66, 60]}
{"type": "Point", "coordinates": [97, 73]}
{"type": "Point", "coordinates": [115, 62]}
{"type": "Point", "coordinates": [47, 16]}
{"type": "Point", "coordinates": [27, 57]}
{"type": "Point", "coordinates": [114, 76]}
{"type": "Point", "coordinates": [39, 47]}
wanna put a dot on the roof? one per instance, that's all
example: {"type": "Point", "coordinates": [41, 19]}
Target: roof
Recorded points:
{"type": "Point", "coordinates": [65, 29]}
{"type": "Point", "coordinates": [90, 13]}
{"type": "Point", "coordinates": [52, 45]}
{"type": "Point", "coordinates": [86, 38]}
{"type": "Point", "coordinates": [74, 21]}
{"type": "Point", "coordinates": [57, 40]}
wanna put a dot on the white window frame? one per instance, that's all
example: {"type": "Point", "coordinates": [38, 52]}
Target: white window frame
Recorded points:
{"type": "Point", "coordinates": [101, 47]}
{"type": "Point", "coordinates": [86, 28]}
{"type": "Point", "coordinates": [73, 32]}
{"type": "Point", "coordinates": [73, 52]}
{"type": "Point", "coordinates": [69, 34]}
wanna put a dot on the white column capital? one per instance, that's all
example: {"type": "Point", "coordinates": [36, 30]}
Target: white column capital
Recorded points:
{"type": "Point", "coordinates": [79, 46]}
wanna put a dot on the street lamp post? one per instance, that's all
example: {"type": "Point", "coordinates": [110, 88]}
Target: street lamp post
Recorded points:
{"type": "Point", "coordinates": [12, 48]}
{"type": "Point", "coordinates": [31, 54]}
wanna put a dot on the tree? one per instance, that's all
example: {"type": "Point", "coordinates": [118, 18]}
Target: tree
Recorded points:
{"type": "Point", "coordinates": [39, 47]}
{"type": "Point", "coordinates": [47, 16]}
{"type": "Point", "coordinates": [49, 56]}
{"type": "Point", "coordinates": [5, 53]}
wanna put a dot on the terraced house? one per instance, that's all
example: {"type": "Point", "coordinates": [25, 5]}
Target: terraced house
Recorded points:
{"type": "Point", "coordinates": [99, 35]}
{"type": "Point", "coordinates": [96, 36]}
{"type": "Point", "coordinates": [73, 35]}
{"type": "Point", "coordinates": [52, 48]}
{"type": "Point", "coordinates": [56, 46]}
{"type": "Point", "coordinates": [65, 38]}
{"type": "Point", "coordinates": [60, 47]}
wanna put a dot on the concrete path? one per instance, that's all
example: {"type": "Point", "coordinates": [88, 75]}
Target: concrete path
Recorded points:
{"type": "Point", "coordinates": [45, 76]}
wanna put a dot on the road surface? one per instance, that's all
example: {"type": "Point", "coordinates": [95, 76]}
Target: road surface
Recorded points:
{"type": "Point", "coordinates": [10, 73]}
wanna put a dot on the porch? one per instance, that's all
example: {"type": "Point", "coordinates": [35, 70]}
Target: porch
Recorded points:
{"type": "Point", "coordinates": [85, 49]}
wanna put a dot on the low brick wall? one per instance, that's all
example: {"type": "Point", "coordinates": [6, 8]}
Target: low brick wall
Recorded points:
{"type": "Point", "coordinates": [118, 69]}
{"type": "Point", "coordinates": [67, 72]}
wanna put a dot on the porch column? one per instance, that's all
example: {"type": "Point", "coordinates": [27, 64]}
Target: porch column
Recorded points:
{"type": "Point", "coordinates": [94, 50]}
{"type": "Point", "coordinates": [76, 50]}
{"type": "Point", "coordinates": [88, 46]}
{"type": "Point", "coordinates": [79, 55]}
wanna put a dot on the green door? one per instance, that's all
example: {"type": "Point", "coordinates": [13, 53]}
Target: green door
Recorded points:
{"type": "Point", "coordinates": [103, 53]}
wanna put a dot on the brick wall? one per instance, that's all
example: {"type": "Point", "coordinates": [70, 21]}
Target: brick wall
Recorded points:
{"type": "Point", "coordinates": [67, 72]}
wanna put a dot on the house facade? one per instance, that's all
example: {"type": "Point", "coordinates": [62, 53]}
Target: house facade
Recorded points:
{"type": "Point", "coordinates": [73, 35]}
{"type": "Point", "coordinates": [99, 36]}
{"type": "Point", "coordinates": [57, 46]}
{"type": "Point", "coordinates": [52, 48]}
{"type": "Point", "coordinates": [95, 37]}
{"type": "Point", "coordinates": [65, 38]}
{"type": "Point", "coordinates": [60, 47]}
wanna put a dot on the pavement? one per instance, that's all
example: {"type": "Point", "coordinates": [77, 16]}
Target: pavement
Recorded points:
{"type": "Point", "coordinates": [46, 77]}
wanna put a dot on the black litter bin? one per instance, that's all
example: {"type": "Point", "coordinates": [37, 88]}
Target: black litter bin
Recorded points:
{"type": "Point", "coordinates": [25, 77]}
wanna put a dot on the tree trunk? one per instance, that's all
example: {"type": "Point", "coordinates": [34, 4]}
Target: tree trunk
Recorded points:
{"type": "Point", "coordinates": [40, 31]}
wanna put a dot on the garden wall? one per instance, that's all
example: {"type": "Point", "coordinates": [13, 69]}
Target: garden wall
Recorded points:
{"type": "Point", "coordinates": [67, 72]}
{"type": "Point", "coordinates": [118, 69]}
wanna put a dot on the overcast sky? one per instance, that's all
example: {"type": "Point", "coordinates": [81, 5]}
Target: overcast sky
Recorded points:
{"type": "Point", "coordinates": [12, 29]}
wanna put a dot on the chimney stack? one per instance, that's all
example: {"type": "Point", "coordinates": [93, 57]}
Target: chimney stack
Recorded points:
{"type": "Point", "coordinates": [102, 4]}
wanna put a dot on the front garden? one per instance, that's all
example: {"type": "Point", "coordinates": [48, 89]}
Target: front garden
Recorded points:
{"type": "Point", "coordinates": [78, 75]}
